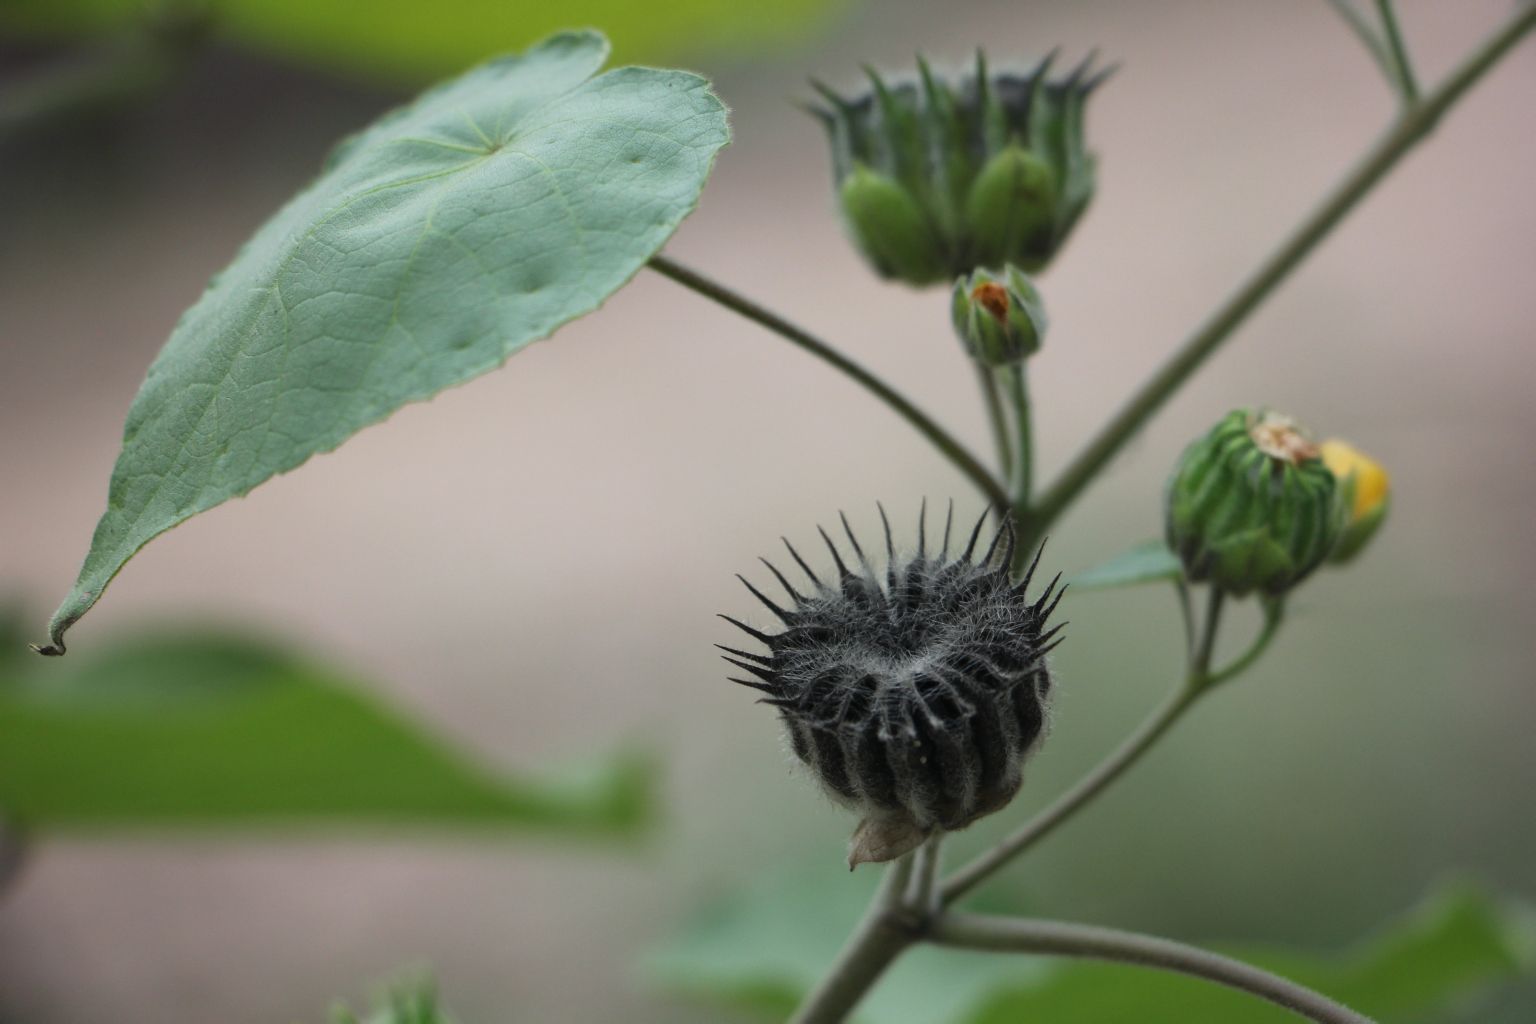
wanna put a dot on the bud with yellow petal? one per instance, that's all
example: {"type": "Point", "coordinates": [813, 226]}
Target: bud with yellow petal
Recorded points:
{"type": "Point", "coordinates": [998, 316]}
{"type": "Point", "coordinates": [1365, 490]}
{"type": "Point", "coordinates": [1251, 506]}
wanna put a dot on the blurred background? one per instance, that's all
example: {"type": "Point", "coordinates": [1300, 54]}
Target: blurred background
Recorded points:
{"type": "Point", "coordinates": [531, 564]}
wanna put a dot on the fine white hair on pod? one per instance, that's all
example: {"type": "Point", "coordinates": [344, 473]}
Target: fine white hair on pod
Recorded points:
{"type": "Point", "coordinates": [913, 694]}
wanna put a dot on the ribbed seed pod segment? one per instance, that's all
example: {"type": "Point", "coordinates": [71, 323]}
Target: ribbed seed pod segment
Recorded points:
{"type": "Point", "coordinates": [936, 176]}
{"type": "Point", "coordinates": [915, 694]}
{"type": "Point", "coordinates": [1251, 505]}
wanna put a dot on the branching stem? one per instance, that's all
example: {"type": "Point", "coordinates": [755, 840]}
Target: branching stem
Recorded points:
{"type": "Point", "coordinates": [1401, 67]}
{"type": "Point", "coordinates": [880, 939]}
{"type": "Point", "coordinates": [1369, 37]}
{"type": "Point", "coordinates": [1074, 799]}
{"type": "Point", "coordinates": [940, 438]}
{"type": "Point", "coordinates": [1416, 122]}
{"type": "Point", "coordinates": [1058, 938]}
{"type": "Point", "coordinates": [886, 932]}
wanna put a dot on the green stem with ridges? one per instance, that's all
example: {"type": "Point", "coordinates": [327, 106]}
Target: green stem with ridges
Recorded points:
{"type": "Point", "coordinates": [948, 446]}
{"type": "Point", "coordinates": [1415, 123]}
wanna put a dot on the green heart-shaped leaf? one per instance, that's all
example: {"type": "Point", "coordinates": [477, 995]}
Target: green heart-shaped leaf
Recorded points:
{"type": "Point", "coordinates": [436, 243]}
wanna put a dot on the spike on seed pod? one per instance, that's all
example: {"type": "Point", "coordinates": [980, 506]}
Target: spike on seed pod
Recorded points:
{"type": "Point", "coordinates": [915, 694]}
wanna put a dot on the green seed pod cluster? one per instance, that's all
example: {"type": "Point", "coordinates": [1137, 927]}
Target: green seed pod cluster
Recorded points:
{"type": "Point", "coordinates": [937, 177]}
{"type": "Point", "coordinates": [998, 317]}
{"type": "Point", "coordinates": [1251, 506]}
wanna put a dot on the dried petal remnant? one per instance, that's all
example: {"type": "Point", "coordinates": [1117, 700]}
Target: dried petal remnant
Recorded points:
{"type": "Point", "coordinates": [992, 297]}
{"type": "Point", "coordinates": [1280, 438]}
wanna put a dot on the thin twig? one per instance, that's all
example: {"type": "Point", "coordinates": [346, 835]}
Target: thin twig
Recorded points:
{"type": "Point", "coordinates": [1274, 615]}
{"type": "Point", "coordinates": [1374, 44]}
{"type": "Point", "coordinates": [1059, 938]}
{"type": "Point", "coordinates": [1107, 771]}
{"type": "Point", "coordinates": [1023, 441]}
{"type": "Point", "coordinates": [1200, 664]}
{"type": "Point", "coordinates": [1411, 128]}
{"type": "Point", "coordinates": [1070, 802]}
{"type": "Point", "coordinates": [1402, 67]}
{"type": "Point", "coordinates": [881, 937]}
{"type": "Point", "coordinates": [880, 940]}
{"type": "Point", "coordinates": [923, 890]}
{"type": "Point", "coordinates": [987, 379]}
{"type": "Point", "coordinates": [941, 439]}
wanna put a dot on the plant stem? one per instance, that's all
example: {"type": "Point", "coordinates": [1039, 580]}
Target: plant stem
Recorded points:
{"type": "Point", "coordinates": [1402, 68]}
{"type": "Point", "coordinates": [1001, 934]}
{"type": "Point", "coordinates": [925, 876]}
{"type": "Point", "coordinates": [1367, 34]}
{"type": "Point", "coordinates": [1416, 122]}
{"type": "Point", "coordinates": [941, 439]}
{"type": "Point", "coordinates": [1274, 614]}
{"type": "Point", "coordinates": [1070, 802]}
{"type": "Point", "coordinates": [1023, 444]}
{"type": "Point", "coordinates": [1107, 771]}
{"type": "Point", "coordinates": [988, 381]}
{"type": "Point", "coordinates": [1020, 478]}
{"type": "Point", "coordinates": [881, 937]}
{"type": "Point", "coordinates": [1200, 664]}
{"type": "Point", "coordinates": [1187, 613]}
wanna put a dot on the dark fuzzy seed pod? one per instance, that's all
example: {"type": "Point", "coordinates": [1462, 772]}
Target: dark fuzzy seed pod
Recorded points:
{"type": "Point", "coordinates": [913, 695]}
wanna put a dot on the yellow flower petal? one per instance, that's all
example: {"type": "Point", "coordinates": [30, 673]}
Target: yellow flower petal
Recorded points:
{"type": "Point", "coordinates": [1372, 484]}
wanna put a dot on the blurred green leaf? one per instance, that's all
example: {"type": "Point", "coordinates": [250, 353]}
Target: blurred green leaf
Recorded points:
{"type": "Point", "coordinates": [1147, 562]}
{"type": "Point", "coordinates": [404, 1003]}
{"type": "Point", "coordinates": [438, 242]}
{"type": "Point", "coordinates": [759, 954]}
{"type": "Point", "coordinates": [208, 729]}
{"type": "Point", "coordinates": [761, 951]}
{"type": "Point", "coordinates": [1453, 948]}
{"type": "Point", "coordinates": [411, 41]}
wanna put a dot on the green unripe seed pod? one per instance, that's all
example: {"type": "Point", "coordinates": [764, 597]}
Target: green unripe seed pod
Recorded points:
{"type": "Point", "coordinates": [999, 318]}
{"type": "Point", "coordinates": [1011, 210]}
{"type": "Point", "coordinates": [890, 228]}
{"type": "Point", "coordinates": [1252, 507]}
{"type": "Point", "coordinates": [995, 161]}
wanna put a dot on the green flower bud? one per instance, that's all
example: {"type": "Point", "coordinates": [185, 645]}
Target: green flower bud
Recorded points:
{"type": "Point", "coordinates": [995, 164]}
{"type": "Point", "coordinates": [998, 317]}
{"type": "Point", "coordinates": [1011, 210]}
{"type": "Point", "coordinates": [1365, 490]}
{"type": "Point", "coordinates": [1251, 505]}
{"type": "Point", "coordinates": [889, 226]}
